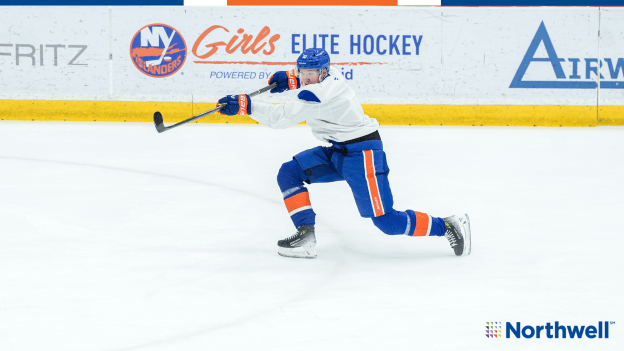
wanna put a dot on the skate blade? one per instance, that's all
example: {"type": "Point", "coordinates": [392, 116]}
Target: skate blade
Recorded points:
{"type": "Point", "coordinates": [297, 252]}
{"type": "Point", "coordinates": [465, 221]}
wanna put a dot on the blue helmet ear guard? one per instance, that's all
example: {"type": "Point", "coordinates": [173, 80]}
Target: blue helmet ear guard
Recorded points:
{"type": "Point", "coordinates": [314, 59]}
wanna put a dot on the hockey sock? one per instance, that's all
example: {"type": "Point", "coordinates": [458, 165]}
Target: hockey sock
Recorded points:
{"type": "Point", "coordinates": [300, 209]}
{"type": "Point", "coordinates": [392, 223]}
{"type": "Point", "coordinates": [296, 197]}
{"type": "Point", "coordinates": [421, 224]}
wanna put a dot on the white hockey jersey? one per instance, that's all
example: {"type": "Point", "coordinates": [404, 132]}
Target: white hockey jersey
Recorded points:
{"type": "Point", "coordinates": [330, 108]}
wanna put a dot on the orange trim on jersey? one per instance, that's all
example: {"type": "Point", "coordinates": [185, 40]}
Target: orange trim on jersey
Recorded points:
{"type": "Point", "coordinates": [422, 224]}
{"type": "Point", "coordinates": [316, 3]}
{"type": "Point", "coordinates": [373, 189]}
{"type": "Point", "coordinates": [298, 201]}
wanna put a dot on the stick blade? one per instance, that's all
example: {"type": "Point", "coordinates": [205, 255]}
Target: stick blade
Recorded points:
{"type": "Point", "coordinates": [158, 121]}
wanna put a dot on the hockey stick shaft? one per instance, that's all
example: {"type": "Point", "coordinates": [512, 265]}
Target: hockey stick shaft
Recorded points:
{"type": "Point", "coordinates": [160, 126]}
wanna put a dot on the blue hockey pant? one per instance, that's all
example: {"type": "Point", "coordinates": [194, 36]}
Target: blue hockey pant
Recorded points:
{"type": "Point", "coordinates": [363, 166]}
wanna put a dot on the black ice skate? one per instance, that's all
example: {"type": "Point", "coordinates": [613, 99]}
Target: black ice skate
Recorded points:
{"type": "Point", "coordinates": [458, 234]}
{"type": "Point", "coordinates": [300, 245]}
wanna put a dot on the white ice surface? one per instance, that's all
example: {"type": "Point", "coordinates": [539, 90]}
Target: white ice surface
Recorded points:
{"type": "Point", "coordinates": [115, 237]}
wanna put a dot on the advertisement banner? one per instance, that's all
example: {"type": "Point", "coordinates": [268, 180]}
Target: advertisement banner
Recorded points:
{"type": "Point", "coordinates": [51, 53]}
{"type": "Point", "coordinates": [232, 50]}
{"type": "Point", "coordinates": [470, 66]}
{"type": "Point", "coordinates": [520, 56]}
{"type": "Point", "coordinates": [460, 56]}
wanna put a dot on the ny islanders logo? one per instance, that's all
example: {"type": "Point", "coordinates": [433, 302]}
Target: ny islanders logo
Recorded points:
{"type": "Point", "coordinates": [158, 50]}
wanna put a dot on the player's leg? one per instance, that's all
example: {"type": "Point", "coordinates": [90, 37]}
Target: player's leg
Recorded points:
{"type": "Point", "coordinates": [310, 166]}
{"type": "Point", "coordinates": [290, 179]}
{"type": "Point", "coordinates": [456, 230]}
{"type": "Point", "coordinates": [366, 172]}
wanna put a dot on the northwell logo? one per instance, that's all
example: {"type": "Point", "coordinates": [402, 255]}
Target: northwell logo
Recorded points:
{"type": "Point", "coordinates": [572, 81]}
{"type": "Point", "coordinates": [549, 331]}
{"type": "Point", "coordinates": [493, 329]}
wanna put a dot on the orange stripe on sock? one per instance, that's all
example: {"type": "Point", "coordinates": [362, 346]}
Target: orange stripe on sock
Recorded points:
{"type": "Point", "coordinates": [422, 224]}
{"type": "Point", "coordinates": [372, 183]}
{"type": "Point", "coordinates": [297, 201]}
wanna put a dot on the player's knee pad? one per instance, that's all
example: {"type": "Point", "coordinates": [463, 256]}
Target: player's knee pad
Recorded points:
{"type": "Point", "coordinates": [290, 175]}
{"type": "Point", "coordinates": [392, 223]}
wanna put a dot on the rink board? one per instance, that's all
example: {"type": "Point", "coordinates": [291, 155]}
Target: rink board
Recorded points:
{"type": "Point", "coordinates": [407, 65]}
{"type": "Point", "coordinates": [475, 115]}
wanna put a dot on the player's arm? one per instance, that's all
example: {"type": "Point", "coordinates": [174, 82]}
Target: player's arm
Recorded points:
{"type": "Point", "coordinates": [282, 116]}
{"type": "Point", "coordinates": [278, 116]}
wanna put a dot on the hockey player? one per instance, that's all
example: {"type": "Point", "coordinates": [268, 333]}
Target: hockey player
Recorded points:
{"type": "Point", "coordinates": [329, 106]}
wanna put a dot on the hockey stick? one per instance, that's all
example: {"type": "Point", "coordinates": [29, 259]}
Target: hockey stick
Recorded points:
{"type": "Point", "coordinates": [160, 126]}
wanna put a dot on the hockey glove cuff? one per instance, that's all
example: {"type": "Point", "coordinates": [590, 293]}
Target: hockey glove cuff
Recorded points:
{"type": "Point", "coordinates": [286, 80]}
{"type": "Point", "coordinates": [236, 105]}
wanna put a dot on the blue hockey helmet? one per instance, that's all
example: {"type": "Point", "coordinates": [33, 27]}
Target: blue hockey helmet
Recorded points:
{"type": "Point", "coordinates": [314, 59]}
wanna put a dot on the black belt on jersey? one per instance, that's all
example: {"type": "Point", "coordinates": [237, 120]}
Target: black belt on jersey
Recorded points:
{"type": "Point", "coordinates": [339, 147]}
{"type": "Point", "coordinates": [372, 136]}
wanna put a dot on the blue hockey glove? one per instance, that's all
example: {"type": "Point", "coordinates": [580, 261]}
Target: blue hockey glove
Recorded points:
{"type": "Point", "coordinates": [237, 105]}
{"type": "Point", "coordinates": [286, 80]}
